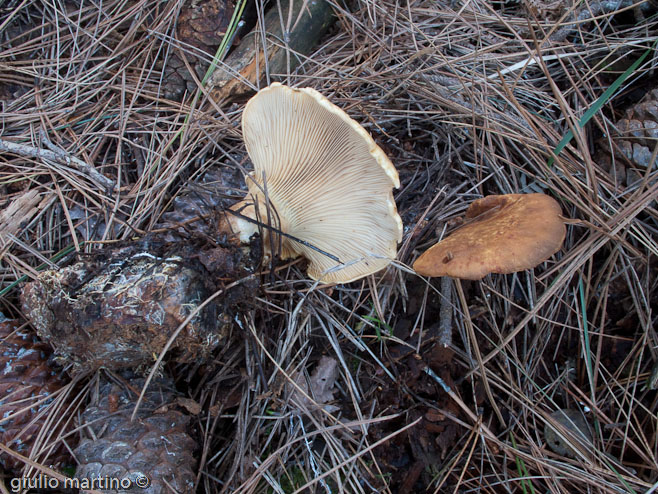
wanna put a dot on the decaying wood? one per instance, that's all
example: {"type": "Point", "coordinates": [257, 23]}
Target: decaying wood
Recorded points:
{"type": "Point", "coordinates": [15, 214]}
{"type": "Point", "coordinates": [287, 33]}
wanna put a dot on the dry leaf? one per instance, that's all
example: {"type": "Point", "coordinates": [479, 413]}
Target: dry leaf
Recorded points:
{"type": "Point", "coordinates": [322, 382]}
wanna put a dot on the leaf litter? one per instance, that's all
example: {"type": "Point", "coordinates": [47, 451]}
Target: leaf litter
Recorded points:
{"type": "Point", "coordinates": [467, 100]}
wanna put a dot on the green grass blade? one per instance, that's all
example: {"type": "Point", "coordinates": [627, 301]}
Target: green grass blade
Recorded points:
{"type": "Point", "coordinates": [523, 471]}
{"type": "Point", "coordinates": [41, 267]}
{"type": "Point", "coordinates": [602, 100]}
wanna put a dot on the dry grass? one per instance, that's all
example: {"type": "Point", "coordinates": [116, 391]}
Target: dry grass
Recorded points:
{"type": "Point", "coordinates": [467, 99]}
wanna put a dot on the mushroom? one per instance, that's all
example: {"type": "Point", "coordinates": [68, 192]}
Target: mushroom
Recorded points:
{"type": "Point", "coordinates": [321, 188]}
{"type": "Point", "coordinates": [502, 234]}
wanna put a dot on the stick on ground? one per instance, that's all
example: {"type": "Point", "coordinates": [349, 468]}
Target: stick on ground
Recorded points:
{"type": "Point", "coordinates": [59, 156]}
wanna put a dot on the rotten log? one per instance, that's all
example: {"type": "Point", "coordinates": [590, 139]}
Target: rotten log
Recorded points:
{"type": "Point", "coordinates": [289, 34]}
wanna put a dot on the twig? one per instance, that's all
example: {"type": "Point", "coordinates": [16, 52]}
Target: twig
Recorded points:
{"type": "Point", "coordinates": [59, 156]}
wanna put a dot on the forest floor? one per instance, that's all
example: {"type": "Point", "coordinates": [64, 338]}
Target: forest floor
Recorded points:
{"type": "Point", "coordinates": [467, 98]}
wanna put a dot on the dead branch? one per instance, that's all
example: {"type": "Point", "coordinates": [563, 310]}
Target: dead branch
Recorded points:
{"type": "Point", "coordinates": [60, 156]}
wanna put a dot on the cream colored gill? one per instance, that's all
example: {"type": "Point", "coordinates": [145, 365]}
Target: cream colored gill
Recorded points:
{"type": "Point", "coordinates": [327, 179]}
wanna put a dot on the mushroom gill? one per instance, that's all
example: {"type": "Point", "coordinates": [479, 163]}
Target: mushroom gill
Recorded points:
{"type": "Point", "coordinates": [319, 178]}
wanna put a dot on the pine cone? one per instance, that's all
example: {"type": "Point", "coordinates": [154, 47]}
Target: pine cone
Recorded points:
{"type": "Point", "coordinates": [638, 131]}
{"type": "Point", "coordinates": [155, 449]}
{"type": "Point", "coordinates": [118, 308]}
{"type": "Point", "coordinates": [207, 196]}
{"type": "Point", "coordinates": [634, 139]}
{"type": "Point", "coordinates": [26, 381]}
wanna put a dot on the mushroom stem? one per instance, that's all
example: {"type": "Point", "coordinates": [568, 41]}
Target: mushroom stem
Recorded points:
{"type": "Point", "coordinates": [445, 312]}
{"type": "Point", "coordinates": [240, 221]}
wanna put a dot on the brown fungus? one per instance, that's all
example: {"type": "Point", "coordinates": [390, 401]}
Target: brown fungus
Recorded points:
{"type": "Point", "coordinates": [502, 234]}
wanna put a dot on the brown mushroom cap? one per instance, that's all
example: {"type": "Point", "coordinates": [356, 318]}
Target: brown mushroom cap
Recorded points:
{"type": "Point", "coordinates": [505, 234]}
{"type": "Point", "coordinates": [327, 182]}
